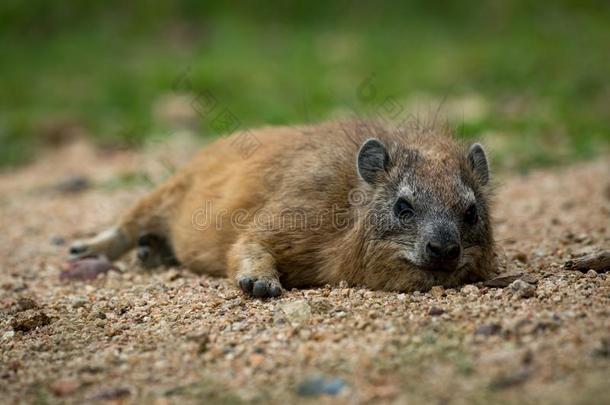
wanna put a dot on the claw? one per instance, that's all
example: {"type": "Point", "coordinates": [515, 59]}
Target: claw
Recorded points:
{"type": "Point", "coordinates": [246, 284]}
{"type": "Point", "coordinates": [259, 288]}
{"type": "Point", "coordinates": [78, 249]}
{"type": "Point", "coordinates": [143, 253]}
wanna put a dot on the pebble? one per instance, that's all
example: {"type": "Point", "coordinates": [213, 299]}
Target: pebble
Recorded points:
{"type": "Point", "coordinates": [321, 305]}
{"type": "Point", "coordinates": [319, 385]}
{"type": "Point", "coordinates": [591, 274]}
{"type": "Point", "coordinates": [78, 301]}
{"type": "Point", "coordinates": [256, 359]}
{"type": "Point", "coordinates": [436, 311]}
{"type": "Point", "coordinates": [73, 184]}
{"type": "Point", "coordinates": [296, 311]}
{"type": "Point", "coordinates": [86, 269]}
{"type": "Point", "coordinates": [437, 291]}
{"type": "Point", "coordinates": [469, 289]}
{"type": "Point", "coordinates": [114, 393]}
{"type": "Point", "coordinates": [29, 320]}
{"type": "Point", "coordinates": [57, 240]}
{"type": "Point", "coordinates": [63, 388]}
{"type": "Point", "coordinates": [488, 329]}
{"type": "Point", "coordinates": [509, 380]}
{"type": "Point", "coordinates": [25, 303]}
{"type": "Point", "coordinates": [521, 289]}
{"type": "Point", "coordinates": [8, 335]}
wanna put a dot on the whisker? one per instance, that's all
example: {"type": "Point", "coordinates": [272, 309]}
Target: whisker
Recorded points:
{"type": "Point", "coordinates": [391, 241]}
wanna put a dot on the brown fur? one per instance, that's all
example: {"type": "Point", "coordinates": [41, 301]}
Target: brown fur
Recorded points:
{"type": "Point", "coordinates": [294, 176]}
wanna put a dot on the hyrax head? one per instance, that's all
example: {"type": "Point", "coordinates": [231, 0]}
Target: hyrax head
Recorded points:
{"type": "Point", "coordinates": [428, 207]}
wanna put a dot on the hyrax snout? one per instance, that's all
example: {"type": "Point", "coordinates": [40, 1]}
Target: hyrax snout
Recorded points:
{"type": "Point", "coordinates": [388, 208]}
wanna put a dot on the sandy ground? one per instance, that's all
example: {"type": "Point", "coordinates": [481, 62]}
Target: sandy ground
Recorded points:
{"type": "Point", "coordinates": [168, 336]}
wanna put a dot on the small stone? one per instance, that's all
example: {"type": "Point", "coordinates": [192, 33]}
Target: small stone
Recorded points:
{"type": "Point", "coordinates": [57, 240]}
{"type": "Point", "coordinates": [509, 380]}
{"type": "Point", "coordinates": [114, 393]}
{"type": "Point", "coordinates": [256, 359]}
{"type": "Point", "coordinates": [73, 184]}
{"type": "Point", "coordinates": [78, 301]}
{"type": "Point", "coordinates": [8, 335]}
{"type": "Point", "coordinates": [321, 305]}
{"type": "Point", "coordinates": [319, 385]}
{"type": "Point", "coordinates": [489, 329]}
{"type": "Point", "coordinates": [437, 291]}
{"type": "Point", "coordinates": [585, 251]}
{"type": "Point", "coordinates": [591, 274]}
{"type": "Point", "coordinates": [436, 311]}
{"type": "Point", "coordinates": [173, 275]}
{"type": "Point", "coordinates": [469, 289]}
{"type": "Point", "coordinates": [29, 320]}
{"type": "Point", "coordinates": [521, 289]}
{"type": "Point", "coordinates": [63, 388]}
{"type": "Point", "coordinates": [25, 303]}
{"type": "Point", "coordinates": [296, 311]}
{"type": "Point", "coordinates": [580, 237]}
{"type": "Point", "coordinates": [86, 269]}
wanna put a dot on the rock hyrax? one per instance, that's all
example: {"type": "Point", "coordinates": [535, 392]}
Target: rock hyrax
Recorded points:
{"type": "Point", "coordinates": [388, 208]}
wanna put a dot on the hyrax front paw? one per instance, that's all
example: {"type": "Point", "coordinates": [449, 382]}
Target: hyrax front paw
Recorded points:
{"type": "Point", "coordinates": [260, 287]}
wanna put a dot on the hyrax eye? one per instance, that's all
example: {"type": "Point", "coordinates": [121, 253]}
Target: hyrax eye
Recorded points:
{"type": "Point", "coordinates": [471, 216]}
{"type": "Point", "coordinates": [403, 209]}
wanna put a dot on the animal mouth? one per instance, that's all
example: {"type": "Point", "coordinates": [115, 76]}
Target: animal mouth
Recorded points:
{"type": "Point", "coordinates": [431, 268]}
{"type": "Point", "coordinates": [441, 266]}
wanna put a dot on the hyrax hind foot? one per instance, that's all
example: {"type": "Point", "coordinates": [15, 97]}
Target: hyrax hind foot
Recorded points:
{"type": "Point", "coordinates": [154, 251]}
{"type": "Point", "coordinates": [110, 244]}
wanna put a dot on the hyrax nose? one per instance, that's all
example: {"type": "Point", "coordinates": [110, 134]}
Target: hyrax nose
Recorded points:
{"type": "Point", "coordinates": [443, 251]}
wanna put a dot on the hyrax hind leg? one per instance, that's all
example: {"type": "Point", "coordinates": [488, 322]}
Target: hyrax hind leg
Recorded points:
{"type": "Point", "coordinates": [154, 251]}
{"type": "Point", "coordinates": [148, 217]}
{"type": "Point", "coordinates": [253, 268]}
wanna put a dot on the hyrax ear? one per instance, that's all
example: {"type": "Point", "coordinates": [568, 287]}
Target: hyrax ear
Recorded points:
{"type": "Point", "coordinates": [373, 159]}
{"type": "Point", "coordinates": [478, 161]}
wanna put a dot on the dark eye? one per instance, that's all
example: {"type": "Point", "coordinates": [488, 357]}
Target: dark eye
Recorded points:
{"type": "Point", "coordinates": [403, 209]}
{"type": "Point", "coordinates": [471, 216]}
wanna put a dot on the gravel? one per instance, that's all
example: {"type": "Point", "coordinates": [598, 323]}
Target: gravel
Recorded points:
{"type": "Point", "coordinates": [521, 289]}
{"type": "Point", "coordinates": [29, 320]}
{"type": "Point", "coordinates": [170, 336]}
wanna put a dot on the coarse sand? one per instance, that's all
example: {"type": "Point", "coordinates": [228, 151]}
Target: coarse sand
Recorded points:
{"type": "Point", "coordinates": [168, 336]}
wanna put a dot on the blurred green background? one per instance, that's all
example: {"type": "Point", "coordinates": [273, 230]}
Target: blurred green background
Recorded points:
{"type": "Point", "coordinates": [532, 79]}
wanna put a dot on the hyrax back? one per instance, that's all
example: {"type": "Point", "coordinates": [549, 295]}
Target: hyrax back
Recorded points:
{"type": "Point", "coordinates": [388, 208]}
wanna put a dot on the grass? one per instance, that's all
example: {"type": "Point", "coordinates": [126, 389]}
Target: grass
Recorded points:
{"type": "Point", "coordinates": [538, 74]}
